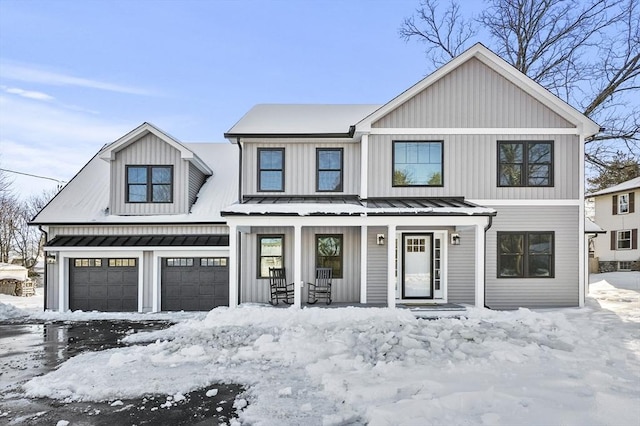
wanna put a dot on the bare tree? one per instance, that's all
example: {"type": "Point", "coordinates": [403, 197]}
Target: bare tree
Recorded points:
{"type": "Point", "coordinates": [585, 52]}
{"type": "Point", "coordinates": [28, 241]}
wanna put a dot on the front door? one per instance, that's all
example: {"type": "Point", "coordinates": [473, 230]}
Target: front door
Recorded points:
{"type": "Point", "coordinates": [417, 266]}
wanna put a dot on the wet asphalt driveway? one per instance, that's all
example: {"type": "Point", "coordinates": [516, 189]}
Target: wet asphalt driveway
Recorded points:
{"type": "Point", "coordinates": [29, 350]}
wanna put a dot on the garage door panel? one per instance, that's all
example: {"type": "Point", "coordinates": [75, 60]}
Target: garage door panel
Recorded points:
{"type": "Point", "coordinates": [194, 285]}
{"type": "Point", "coordinates": [102, 287]}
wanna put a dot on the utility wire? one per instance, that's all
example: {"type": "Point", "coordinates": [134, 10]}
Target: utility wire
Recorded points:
{"type": "Point", "coordinates": [31, 175]}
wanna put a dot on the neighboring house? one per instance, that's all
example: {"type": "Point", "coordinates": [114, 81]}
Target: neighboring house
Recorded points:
{"type": "Point", "coordinates": [465, 188]}
{"type": "Point", "coordinates": [139, 227]}
{"type": "Point", "coordinates": [617, 213]}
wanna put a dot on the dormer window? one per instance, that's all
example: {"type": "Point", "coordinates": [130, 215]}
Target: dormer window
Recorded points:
{"type": "Point", "coordinates": [149, 184]}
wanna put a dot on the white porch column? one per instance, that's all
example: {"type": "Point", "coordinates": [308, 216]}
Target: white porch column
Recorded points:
{"type": "Point", "coordinates": [391, 266]}
{"type": "Point", "coordinates": [155, 280]}
{"type": "Point", "coordinates": [233, 266]}
{"type": "Point", "coordinates": [363, 263]}
{"type": "Point", "coordinates": [63, 284]}
{"type": "Point", "coordinates": [364, 166]}
{"type": "Point", "coordinates": [480, 261]}
{"type": "Point", "coordinates": [297, 265]}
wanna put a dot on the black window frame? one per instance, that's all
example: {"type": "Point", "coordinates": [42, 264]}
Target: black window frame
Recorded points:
{"type": "Point", "coordinates": [149, 183]}
{"type": "Point", "coordinates": [524, 176]}
{"type": "Point", "coordinates": [340, 257]}
{"type": "Point", "coordinates": [260, 255]}
{"type": "Point", "coordinates": [340, 187]}
{"type": "Point", "coordinates": [393, 164]}
{"type": "Point", "coordinates": [261, 169]}
{"type": "Point", "coordinates": [526, 274]}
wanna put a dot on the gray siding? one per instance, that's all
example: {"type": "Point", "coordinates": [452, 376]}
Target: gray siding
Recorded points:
{"type": "Point", "coordinates": [473, 95]}
{"type": "Point", "coordinates": [376, 266]}
{"type": "Point", "coordinates": [461, 268]}
{"type": "Point", "coordinates": [300, 166]}
{"type": "Point", "coordinates": [470, 168]}
{"type": "Point", "coordinates": [562, 290]}
{"type": "Point", "coordinates": [137, 230]}
{"type": "Point", "coordinates": [149, 150]}
{"type": "Point", "coordinates": [346, 289]}
{"type": "Point", "coordinates": [196, 180]}
{"type": "Point", "coordinates": [52, 286]}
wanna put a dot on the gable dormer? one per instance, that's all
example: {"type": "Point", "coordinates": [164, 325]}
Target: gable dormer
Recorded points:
{"type": "Point", "coordinates": [151, 173]}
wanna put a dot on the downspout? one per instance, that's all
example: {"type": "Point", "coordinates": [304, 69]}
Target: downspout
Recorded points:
{"type": "Point", "coordinates": [486, 228]}
{"type": "Point", "coordinates": [46, 266]}
{"type": "Point", "coordinates": [239, 235]}
{"type": "Point", "coordinates": [239, 170]}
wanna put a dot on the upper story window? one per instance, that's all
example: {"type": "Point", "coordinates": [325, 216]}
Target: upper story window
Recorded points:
{"type": "Point", "coordinates": [525, 255]}
{"type": "Point", "coordinates": [623, 203]}
{"type": "Point", "coordinates": [417, 163]}
{"type": "Point", "coordinates": [271, 169]}
{"type": "Point", "coordinates": [149, 184]}
{"type": "Point", "coordinates": [329, 165]}
{"type": "Point", "coordinates": [525, 163]}
{"type": "Point", "coordinates": [271, 253]}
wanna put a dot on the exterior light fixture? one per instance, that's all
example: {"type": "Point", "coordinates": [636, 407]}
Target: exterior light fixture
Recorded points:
{"type": "Point", "coordinates": [455, 239]}
{"type": "Point", "coordinates": [380, 239]}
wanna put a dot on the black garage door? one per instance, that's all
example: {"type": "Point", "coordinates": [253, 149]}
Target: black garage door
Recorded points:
{"type": "Point", "coordinates": [103, 285]}
{"type": "Point", "coordinates": [194, 283]}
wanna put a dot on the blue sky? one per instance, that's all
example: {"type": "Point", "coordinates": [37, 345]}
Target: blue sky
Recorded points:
{"type": "Point", "coordinates": [75, 75]}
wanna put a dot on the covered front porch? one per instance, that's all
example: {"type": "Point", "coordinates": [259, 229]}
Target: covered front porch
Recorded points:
{"type": "Point", "coordinates": [387, 256]}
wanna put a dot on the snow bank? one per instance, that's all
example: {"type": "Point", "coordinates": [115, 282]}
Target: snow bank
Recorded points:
{"type": "Point", "coordinates": [378, 367]}
{"type": "Point", "coordinates": [9, 312]}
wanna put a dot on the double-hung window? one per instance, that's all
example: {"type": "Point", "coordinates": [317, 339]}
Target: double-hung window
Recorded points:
{"type": "Point", "coordinates": [525, 254]}
{"type": "Point", "coordinates": [270, 255]}
{"type": "Point", "coordinates": [271, 169]}
{"type": "Point", "coordinates": [623, 203]}
{"type": "Point", "coordinates": [417, 163]}
{"type": "Point", "coordinates": [329, 253]}
{"type": "Point", "coordinates": [329, 164]}
{"type": "Point", "coordinates": [149, 184]}
{"type": "Point", "coordinates": [528, 163]}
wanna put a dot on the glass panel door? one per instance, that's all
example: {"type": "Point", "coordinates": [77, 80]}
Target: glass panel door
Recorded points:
{"type": "Point", "coordinates": [417, 279]}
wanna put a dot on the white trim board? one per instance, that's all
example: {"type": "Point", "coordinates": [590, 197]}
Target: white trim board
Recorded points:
{"type": "Point", "coordinates": [473, 131]}
{"type": "Point", "coordinates": [524, 203]}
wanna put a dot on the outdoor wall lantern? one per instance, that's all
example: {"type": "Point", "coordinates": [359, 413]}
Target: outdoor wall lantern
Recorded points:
{"type": "Point", "coordinates": [51, 258]}
{"type": "Point", "coordinates": [380, 238]}
{"type": "Point", "coordinates": [455, 239]}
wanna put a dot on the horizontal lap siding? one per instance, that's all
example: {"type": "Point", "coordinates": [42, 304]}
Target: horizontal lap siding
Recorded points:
{"type": "Point", "coordinates": [376, 266]}
{"type": "Point", "coordinates": [461, 269]}
{"type": "Point", "coordinates": [507, 293]}
{"type": "Point", "coordinates": [300, 166]}
{"type": "Point", "coordinates": [147, 151]}
{"type": "Point", "coordinates": [137, 230]}
{"type": "Point", "coordinates": [473, 95]}
{"type": "Point", "coordinates": [470, 168]}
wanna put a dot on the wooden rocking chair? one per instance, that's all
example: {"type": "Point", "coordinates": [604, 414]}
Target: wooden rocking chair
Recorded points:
{"type": "Point", "coordinates": [321, 289]}
{"type": "Point", "coordinates": [280, 290]}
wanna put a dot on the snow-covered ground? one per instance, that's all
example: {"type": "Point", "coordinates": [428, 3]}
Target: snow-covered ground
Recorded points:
{"type": "Point", "coordinates": [384, 366]}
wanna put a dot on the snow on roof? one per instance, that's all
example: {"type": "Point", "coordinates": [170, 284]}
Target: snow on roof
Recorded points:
{"type": "Point", "coordinates": [590, 227]}
{"type": "Point", "coordinates": [624, 186]}
{"type": "Point", "coordinates": [13, 272]}
{"type": "Point", "coordinates": [300, 119]}
{"type": "Point", "coordinates": [85, 199]}
{"type": "Point", "coordinates": [306, 209]}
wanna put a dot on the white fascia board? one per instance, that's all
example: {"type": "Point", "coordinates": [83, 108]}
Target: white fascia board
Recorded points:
{"type": "Point", "coordinates": [529, 202]}
{"type": "Point", "coordinates": [473, 131]}
{"type": "Point", "coordinates": [319, 221]}
{"type": "Point", "coordinates": [115, 250]}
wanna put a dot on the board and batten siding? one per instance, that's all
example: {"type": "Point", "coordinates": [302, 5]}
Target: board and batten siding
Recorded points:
{"type": "Point", "coordinates": [376, 266]}
{"type": "Point", "coordinates": [196, 180]}
{"type": "Point", "coordinates": [461, 287]}
{"type": "Point", "coordinates": [346, 289]}
{"type": "Point", "coordinates": [560, 291]}
{"type": "Point", "coordinates": [470, 168]}
{"type": "Point", "coordinates": [149, 151]}
{"type": "Point", "coordinates": [300, 166]}
{"type": "Point", "coordinates": [472, 96]}
{"type": "Point", "coordinates": [52, 288]}
{"type": "Point", "coordinates": [106, 229]}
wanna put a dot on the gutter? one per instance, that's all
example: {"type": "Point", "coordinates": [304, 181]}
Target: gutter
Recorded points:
{"type": "Point", "coordinates": [349, 134]}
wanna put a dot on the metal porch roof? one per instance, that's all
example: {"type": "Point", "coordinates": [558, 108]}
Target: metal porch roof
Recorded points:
{"type": "Point", "coordinates": [140, 241]}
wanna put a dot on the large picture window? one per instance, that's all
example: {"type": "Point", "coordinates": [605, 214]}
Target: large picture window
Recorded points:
{"type": "Point", "coordinates": [149, 184]}
{"type": "Point", "coordinates": [271, 169]}
{"type": "Point", "coordinates": [329, 165]}
{"type": "Point", "coordinates": [417, 163]}
{"type": "Point", "coordinates": [329, 253]}
{"type": "Point", "coordinates": [525, 163]}
{"type": "Point", "coordinates": [270, 255]}
{"type": "Point", "coordinates": [525, 254]}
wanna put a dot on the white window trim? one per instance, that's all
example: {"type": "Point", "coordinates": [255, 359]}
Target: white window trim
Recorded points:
{"type": "Point", "coordinates": [618, 239]}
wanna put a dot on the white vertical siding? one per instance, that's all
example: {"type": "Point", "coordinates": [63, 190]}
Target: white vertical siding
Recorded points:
{"type": "Point", "coordinates": [461, 268]}
{"type": "Point", "coordinates": [53, 289]}
{"type": "Point", "coordinates": [562, 290]}
{"type": "Point", "coordinates": [147, 281]}
{"type": "Point", "coordinates": [300, 166]}
{"type": "Point", "coordinates": [377, 265]}
{"type": "Point", "coordinates": [472, 96]}
{"type": "Point", "coordinates": [470, 168]}
{"type": "Point", "coordinates": [196, 180]}
{"type": "Point", "coordinates": [149, 150]}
